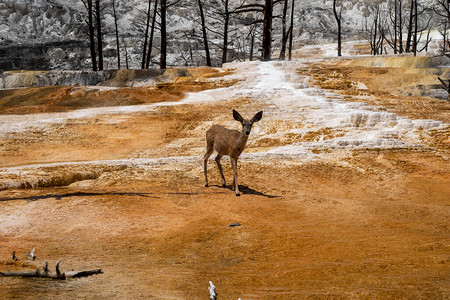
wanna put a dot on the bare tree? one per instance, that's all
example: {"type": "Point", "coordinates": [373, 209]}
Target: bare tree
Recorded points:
{"type": "Point", "coordinates": [443, 30]}
{"type": "Point", "coordinates": [445, 86]}
{"type": "Point", "coordinates": [163, 25]}
{"type": "Point", "coordinates": [291, 29]}
{"type": "Point", "coordinates": [117, 35]}
{"type": "Point", "coordinates": [409, 27]}
{"type": "Point", "coordinates": [163, 54]}
{"type": "Point", "coordinates": [126, 55]}
{"type": "Point", "coordinates": [267, 10]}
{"type": "Point", "coordinates": [374, 29]}
{"type": "Point", "coordinates": [99, 34]}
{"type": "Point", "coordinates": [226, 18]}
{"type": "Point", "coordinates": [379, 32]}
{"type": "Point", "coordinates": [221, 12]}
{"type": "Point", "coordinates": [205, 37]}
{"type": "Point", "coordinates": [88, 4]}
{"type": "Point", "coordinates": [284, 31]}
{"type": "Point", "coordinates": [338, 16]}
{"type": "Point", "coordinates": [419, 27]}
{"type": "Point", "coordinates": [412, 39]}
{"type": "Point", "coordinates": [152, 31]}
{"type": "Point", "coordinates": [267, 31]}
{"type": "Point", "coordinates": [147, 26]}
{"type": "Point", "coordinates": [394, 37]}
{"type": "Point", "coordinates": [395, 21]}
{"type": "Point", "coordinates": [400, 24]}
{"type": "Point", "coordinates": [442, 9]}
{"type": "Point", "coordinates": [251, 34]}
{"type": "Point", "coordinates": [445, 6]}
{"type": "Point", "coordinates": [185, 49]}
{"type": "Point", "coordinates": [415, 41]}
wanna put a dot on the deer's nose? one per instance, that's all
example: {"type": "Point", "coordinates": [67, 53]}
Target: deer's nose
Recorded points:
{"type": "Point", "coordinates": [247, 132]}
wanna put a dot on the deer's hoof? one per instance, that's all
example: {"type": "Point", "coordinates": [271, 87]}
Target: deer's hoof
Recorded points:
{"type": "Point", "coordinates": [206, 185]}
{"type": "Point", "coordinates": [224, 185]}
{"type": "Point", "coordinates": [238, 194]}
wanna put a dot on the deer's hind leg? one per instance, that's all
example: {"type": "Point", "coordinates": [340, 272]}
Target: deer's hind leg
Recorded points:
{"type": "Point", "coordinates": [209, 151]}
{"type": "Point", "coordinates": [218, 157]}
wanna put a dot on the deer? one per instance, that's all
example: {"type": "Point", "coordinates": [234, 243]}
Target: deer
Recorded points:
{"type": "Point", "coordinates": [228, 142]}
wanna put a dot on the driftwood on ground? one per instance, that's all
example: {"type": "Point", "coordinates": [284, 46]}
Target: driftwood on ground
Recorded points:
{"type": "Point", "coordinates": [45, 272]}
{"type": "Point", "coordinates": [212, 291]}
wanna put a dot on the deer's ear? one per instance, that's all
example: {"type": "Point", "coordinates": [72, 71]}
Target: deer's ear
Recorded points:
{"type": "Point", "coordinates": [257, 117]}
{"type": "Point", "coordinates": [237, 116]}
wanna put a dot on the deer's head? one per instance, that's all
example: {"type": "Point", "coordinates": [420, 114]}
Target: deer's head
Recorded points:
{"type": "Point", "coordinates": [247, 124]}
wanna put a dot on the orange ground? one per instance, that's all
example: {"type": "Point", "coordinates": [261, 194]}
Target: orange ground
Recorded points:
{"type": "Point", "coordinates": [373, 225]}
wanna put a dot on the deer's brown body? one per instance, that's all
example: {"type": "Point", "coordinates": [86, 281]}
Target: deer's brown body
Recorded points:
{"type": "Point", "coordinates": [228, 142]}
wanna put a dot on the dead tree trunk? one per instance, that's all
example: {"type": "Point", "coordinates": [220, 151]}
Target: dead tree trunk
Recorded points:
{"type": "Point", "coordinates": [267, 11]}
{"type": "Point", "coordinates": [395, 26]}
{"type": "Point", "coordinates": [152, 31]}
{"type": "Point", "coordinates": [163, 56]}
{"type": "Point", "coordinates": [267, 31]}
{"type": "Point", "coordinates": [205, 37]}
{"type": "Point", "coordinates": [410, 28]}
{"type": "Point", "coordinates": [415, 28]}
{"type": "Point", "coordinates": [226, 20]}
{"type": "Point", "coordinates": [291, 32]}
{"type": "Point", "coordinates": [375, 35]}
{"type": "Point", "coordinates": [117, 35]}
{"type": "Point", "coordinates": [445, 37]}
{"type": "Point", "coordinates": [88, 4]}
{"type": "Point", "coordinates": [338, 17]}
{"type": "Point", "coordinates": [147, 27]}
{"type": "Point", "coordinates": [284, 33]}
{"type": "Point", "coordinates": [443, 11]}
{"type": "Point", "coordinates": [446, 86]}
{"type": "Point", "coordinates": [400, 27]}
{"type": "Point", "coordinates": [126, 56]}
{"type": "Point", "coordinates": [99, 35]}
{"type": "Point", "coordinates": [252, 41]}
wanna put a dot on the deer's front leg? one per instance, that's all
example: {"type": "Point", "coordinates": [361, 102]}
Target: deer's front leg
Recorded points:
{"type": "Point", "coordinates": [235, 176]}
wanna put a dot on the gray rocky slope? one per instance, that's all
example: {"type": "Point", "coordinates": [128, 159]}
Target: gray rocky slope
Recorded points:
{"type": "Point", "coordinates": [51, 34]}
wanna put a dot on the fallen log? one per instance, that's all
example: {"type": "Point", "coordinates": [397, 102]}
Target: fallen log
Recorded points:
{"type": "Point", "coordinates": [21, 274]}
{"type": "Point", "coordinates": [77, 274]}
{"type": "Point", "coordinates": [44, 273]}
{"type": "Point", "coordinates": [40, 274]}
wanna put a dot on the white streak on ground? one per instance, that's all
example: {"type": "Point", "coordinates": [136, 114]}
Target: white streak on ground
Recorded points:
{"type": "Point", "coordinates": [287, 97]}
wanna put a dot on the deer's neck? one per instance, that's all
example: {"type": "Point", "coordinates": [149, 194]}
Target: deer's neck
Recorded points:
{"type": "Point", "coordinates": [241, 142]}
{"type": "Point", "coordinates": [243, 138]}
